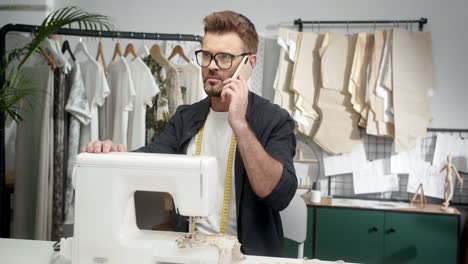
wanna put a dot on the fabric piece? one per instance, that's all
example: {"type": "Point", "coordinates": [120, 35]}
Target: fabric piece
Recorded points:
{"type": "Point", "coordinates": [336, 55]}
{"type": "Point", "coordinates": [376, 103]}
{"type": "Point", "coordinates": [59, 161]}
{"type": "Point", "coordinates": [154, 123]}
{"type": "Point", "coordinates": [145, 89]}
{"type": "Point", "coordinates": [305, 78]}
{"type": "Point", "coordinates": [284, 97]}
{"type": "Point", "coordinates": [102, 112]}
{"type": "Point", "coordinates": [80, 114]}
{"type": "Point", "coordinates": [174, 92]}
{"type": "Point", "coordinates": [97, 90]}
{"type": "Point", "coordinates": [34, 158]}
{"type": "Point", "coordinates": [358, 77]}
{"type": "Point", "coordinates": [338, 130]}
{"type": "Point", "coordinates": [216, 142]}
{"type": "Point", "coordinates": [121, 100]}
{"type": "Point", "coordinates": [384, 85]}
{"type": "Point", "coordinates": [191, 82]}
{"type": "Point", "coordinates": [413, 77]}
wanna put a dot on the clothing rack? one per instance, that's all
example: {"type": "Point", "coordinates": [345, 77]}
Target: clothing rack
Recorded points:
{"type": "Point", "coordinates": [4, 196]}
{"type": "Point", "coordinates": [421, 22]}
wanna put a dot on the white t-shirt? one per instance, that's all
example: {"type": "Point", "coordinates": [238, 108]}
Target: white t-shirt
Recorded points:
{"type": "Point", "coordinates": [97, 90]}
{"type": "Point", "coordinates": [216, 142]}
{"type": "Point", "coordinates": [145, 89]}
{"type": "Point", "coordinates": [191, 79]}
{"type": "Point", "coordinates": [121, 100]}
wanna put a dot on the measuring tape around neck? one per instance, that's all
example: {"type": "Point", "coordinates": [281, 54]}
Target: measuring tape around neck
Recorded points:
{"type": "Point", "coordinates": [227, 180]}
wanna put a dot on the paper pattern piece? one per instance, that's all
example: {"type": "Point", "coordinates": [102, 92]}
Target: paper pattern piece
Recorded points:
{"type": "Point", "coordinates": [400, 162]}
{"type": "Point", "coordinates": [421, 172]}
{"type": "Point", "coordinates": [451, 145]}
{"type": "Point", "coordinates": [375, 177]}
{"type": "Point", "coordinates": [346, 163]}
{"type": "Point", "coordinates": [412, 79]}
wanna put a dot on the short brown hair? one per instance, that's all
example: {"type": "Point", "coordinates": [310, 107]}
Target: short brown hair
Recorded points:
{"type": "Point", "coordinates": [229, 21]}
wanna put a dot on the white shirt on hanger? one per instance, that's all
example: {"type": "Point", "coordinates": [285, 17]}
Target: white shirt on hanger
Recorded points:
{"type": "Point", "coordinates": [191, 78]}
{"type": "Point", "coordinates": [145, 89]}
{"type": "Point", "coordinates": [121, 101]}
{"type": "Point", "coordinates": [97, 90]}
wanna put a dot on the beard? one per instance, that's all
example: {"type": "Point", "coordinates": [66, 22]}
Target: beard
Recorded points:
{"type": "Point", "coordinates": [213, 89]}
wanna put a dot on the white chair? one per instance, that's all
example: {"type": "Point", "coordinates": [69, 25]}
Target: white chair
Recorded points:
{"type": "Point", "coordinates": [294, 219]}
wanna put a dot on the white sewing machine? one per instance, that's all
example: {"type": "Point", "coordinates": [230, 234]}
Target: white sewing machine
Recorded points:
{"type": "Point", "coordinates": [105, 229]}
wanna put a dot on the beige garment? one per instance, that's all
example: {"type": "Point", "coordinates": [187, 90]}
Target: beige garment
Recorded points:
{"type": "Point", "coordinates": [413, 77]}
{"type": "Point", "coordinates": [358, 78]}
{"type": "Point", "coordinates": [283, 96]}
{"type": "Point", "coordinates": [336, 60]}
{"type": "Point", "coordinates": [338, 131]}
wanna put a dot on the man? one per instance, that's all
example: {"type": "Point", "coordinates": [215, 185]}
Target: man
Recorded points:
{"type": "Point", "coordinates": [249, 136]}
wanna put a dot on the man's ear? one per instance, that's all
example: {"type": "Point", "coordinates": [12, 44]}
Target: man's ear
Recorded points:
{"type": "Point", "coordinates": [253, 60]}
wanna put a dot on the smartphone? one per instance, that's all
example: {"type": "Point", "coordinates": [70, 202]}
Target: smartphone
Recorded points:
{"type": "Point", "coordinates": [244, 69]}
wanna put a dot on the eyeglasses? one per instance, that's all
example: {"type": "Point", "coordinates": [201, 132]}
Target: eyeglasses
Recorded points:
{"type": "Point", "coordinates": [222, 60]}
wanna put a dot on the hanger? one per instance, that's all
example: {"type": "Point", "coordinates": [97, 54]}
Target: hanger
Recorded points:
{"type": "Point", "coordinates": [130, 49]}
{"type": "Point", "coordinates": [158, 55]}
{"type": "Point", "coordinates": [143, 49]}
{"type": "Point", "coordinates": [49, 47]}
{"type": "Point", "coordinates": [50, 60]}
{"type": "Point", "coordinates": [81, 47]}
{"type": "Point", "coordinates": [66, 47]}
{"type": "Point", "coordinates": [117, 49]}
{"type": "Point", "coordinates": [178, 50]}
{"type": "Point", "coordinates": [64, 62]}
{"type": "Point", "coordinates": [100, 54]}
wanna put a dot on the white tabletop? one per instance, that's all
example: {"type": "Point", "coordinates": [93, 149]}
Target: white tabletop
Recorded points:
{"type": "Point", "coordinates": [18, 251]}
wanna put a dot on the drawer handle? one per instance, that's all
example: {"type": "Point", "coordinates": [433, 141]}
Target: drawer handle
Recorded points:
{"type": "Point", "coordinates": [373, 229]}
{"type": "Point", "coordinates": [391, 230]}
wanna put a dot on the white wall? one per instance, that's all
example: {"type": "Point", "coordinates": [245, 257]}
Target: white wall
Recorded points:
{"type": "Point", "coordinates": [447, 21]}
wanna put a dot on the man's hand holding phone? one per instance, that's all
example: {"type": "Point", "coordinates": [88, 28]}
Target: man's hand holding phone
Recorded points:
{"type": "Point", "coordinates": [237, 90]}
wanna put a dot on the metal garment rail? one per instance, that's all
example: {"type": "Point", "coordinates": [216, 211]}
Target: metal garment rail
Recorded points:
{"type": "Point", "coordinates": [421, 22]}
{"type": "Point", "coordinates": [4, 199]}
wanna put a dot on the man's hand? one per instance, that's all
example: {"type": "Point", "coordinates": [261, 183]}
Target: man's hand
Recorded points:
{"type": "Point", "coordinates": [238, 93]}
{"type": "Point", "coordinates": [103, 147]}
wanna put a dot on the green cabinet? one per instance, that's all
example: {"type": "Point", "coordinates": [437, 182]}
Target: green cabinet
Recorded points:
{"type": "Point", "coordinates": [420, 238]}
{"type": "Point", "coordinates": [349, 235]}
{"type": "Point", "coordinates": [376, 236]}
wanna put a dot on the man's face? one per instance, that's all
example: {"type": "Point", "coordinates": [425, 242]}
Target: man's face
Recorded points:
{"type": "Point", "coordinates": [213, 76]}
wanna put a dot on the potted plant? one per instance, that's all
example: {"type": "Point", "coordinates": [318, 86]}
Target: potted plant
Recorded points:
{"type": "Point", "coordinates": [15, 88]}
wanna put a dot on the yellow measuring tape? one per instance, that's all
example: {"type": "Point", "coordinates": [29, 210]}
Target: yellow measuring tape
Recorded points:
{"type": "Point", "coordinates": [227, 180]}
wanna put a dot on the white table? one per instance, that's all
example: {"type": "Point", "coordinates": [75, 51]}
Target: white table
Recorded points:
{"type": "Point", "coordinates": [18, 251]}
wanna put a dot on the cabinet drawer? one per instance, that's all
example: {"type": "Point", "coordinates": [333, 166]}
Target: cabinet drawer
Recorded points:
{"type": "Point", "coordinates": [420, 238]}
{"type": "Point", "coordinates": [350, 235]}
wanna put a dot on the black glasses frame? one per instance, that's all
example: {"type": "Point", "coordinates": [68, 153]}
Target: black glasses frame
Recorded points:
{"type": "Point", "coordinates": [213, 57]}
